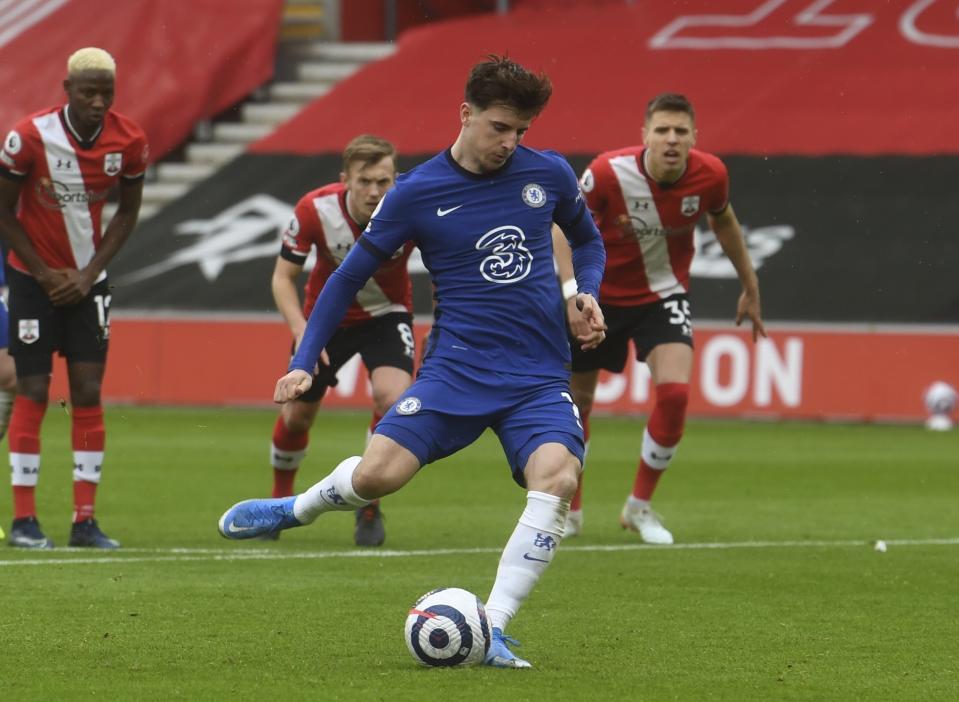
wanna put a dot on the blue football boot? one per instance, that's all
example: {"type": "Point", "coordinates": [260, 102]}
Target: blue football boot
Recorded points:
{"type": "Point", "coordinates": [87, 534]}
{"type": "Point", "coordinates": [256, 518]}
{"type": "Point", "coordinates": [499, 655]}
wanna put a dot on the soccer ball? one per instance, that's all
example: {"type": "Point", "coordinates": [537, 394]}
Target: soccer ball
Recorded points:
{"type": "Point", "coordinates": [448, 627]}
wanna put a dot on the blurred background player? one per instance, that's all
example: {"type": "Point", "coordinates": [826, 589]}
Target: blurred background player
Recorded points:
{"type": "Point", "coordinates": [498, 357]}
{"type": "Point", "coordinates": [377, 325]}
{"type": "Point", "coordinates": [60, 164]}
{"type": "Point", "coordinates": [8, 372]}
{"type": "Point", "coordinates": [646, 201]}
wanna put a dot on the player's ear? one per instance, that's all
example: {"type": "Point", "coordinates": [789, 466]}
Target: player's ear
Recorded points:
{"type": "Point", "coordinates": [66, 85]}
{"type": "Point", "coordinates": [465, 113]}
{"type": "Point", "coordinates": [342, 176]}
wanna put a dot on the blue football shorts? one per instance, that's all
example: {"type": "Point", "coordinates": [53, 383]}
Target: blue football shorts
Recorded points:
{"type": "Point", "coordinates": [449, 406]}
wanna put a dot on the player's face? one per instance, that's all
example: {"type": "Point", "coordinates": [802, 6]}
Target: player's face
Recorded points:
{"type": "Point", "coordinates": [668, 136]}
{"type": "Point", "coordinates": [90, 95]}
{"type": "Point", "coordinates": [367, 184]}
{"type": "Point", "coordinates": [491, 135]}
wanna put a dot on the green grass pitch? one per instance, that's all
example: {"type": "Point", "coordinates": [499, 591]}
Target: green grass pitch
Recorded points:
{"type": "Point", "coordinates": [773, 592]}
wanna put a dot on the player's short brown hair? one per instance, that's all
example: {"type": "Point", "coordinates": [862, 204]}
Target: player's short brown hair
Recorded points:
{"type": "Point", "coordinates": [500, 81]}
{"type": "Point", "coordinates": [368, 150]}
{"type": "Point", "coordinates": [670, 102]}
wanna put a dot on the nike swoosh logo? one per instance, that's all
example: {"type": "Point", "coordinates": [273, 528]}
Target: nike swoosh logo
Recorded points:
{"type": "Point", "coordinates": [532, 558]}
{"type": "Point", "coordinates": [233, 529]}
{"type": "Point", "coordinates": [440, 212]}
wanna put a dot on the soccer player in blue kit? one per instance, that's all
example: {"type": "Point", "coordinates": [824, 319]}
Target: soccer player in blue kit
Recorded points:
{"type": "Point", "coordinates": [498, 355]}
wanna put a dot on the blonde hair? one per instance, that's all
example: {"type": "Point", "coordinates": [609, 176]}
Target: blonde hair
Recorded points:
{"type": "Point", "coordinates": [91, 59]}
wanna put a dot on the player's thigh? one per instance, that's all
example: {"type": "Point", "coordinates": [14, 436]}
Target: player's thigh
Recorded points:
{"type": "Point", "coordinates": [85, 327]}
{"type": "Point", "coordinates": [670, 363]}
{"type": "Point", "coordinates": [668, 321]}
{"type": "Point", "coordinates": [388, 384]}
{"type": "Point", "coordinates": [33, 326]}
{"type": "Point", "coordinates": [546, 415]}
{"type": "Point", "coordinates": [442, 412]}
{"type": "Point", "coordinates": [582, 385]}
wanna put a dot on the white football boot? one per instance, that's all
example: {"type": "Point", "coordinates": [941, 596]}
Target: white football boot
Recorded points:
{"type": "Point", "coordinates": [640, 518]}
{"type": "Point", "coordinates": [574, 523]}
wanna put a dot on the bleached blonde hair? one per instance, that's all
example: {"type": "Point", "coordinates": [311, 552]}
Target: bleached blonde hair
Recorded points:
{"type": "Point", "coordinates": [91, 59]}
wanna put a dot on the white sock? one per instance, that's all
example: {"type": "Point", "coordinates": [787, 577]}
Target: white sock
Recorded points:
{"type": "Point", "coordinates": [529, 550]}
{"type": "Point", "coordinates": [333, 493]}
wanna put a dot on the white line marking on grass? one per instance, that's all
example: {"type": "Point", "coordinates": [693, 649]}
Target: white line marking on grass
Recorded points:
{"type": "Point", "coordinates": [183, 555]}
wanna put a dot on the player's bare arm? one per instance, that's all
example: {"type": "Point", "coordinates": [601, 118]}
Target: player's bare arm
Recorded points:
{"type": "Point", "coordinates": [77, 284]}
{"type": "Point", "coordinates": [16, 238]}
{"type": "Point", "coordinates": [292, 385]}
{"type": "Point", "coordinates": [287, 299]}
{"type": "Point", "coordinates": [729, 234]}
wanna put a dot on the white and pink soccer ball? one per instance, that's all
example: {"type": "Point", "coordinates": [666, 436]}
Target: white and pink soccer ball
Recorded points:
{"type": "Point", "coordinates": [448, 627]}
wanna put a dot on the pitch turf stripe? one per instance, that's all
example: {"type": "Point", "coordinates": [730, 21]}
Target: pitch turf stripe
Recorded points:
{"type": "Point", "coordinates": [183, 555]}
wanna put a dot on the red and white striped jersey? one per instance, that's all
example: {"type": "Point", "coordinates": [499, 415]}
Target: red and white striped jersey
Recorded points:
{"type": "Point", "coordinates": [647, 227]}
{"type": "Point", "coordinates": [66, 181]}
{"type": "Point", "coordinates": [321, 220]}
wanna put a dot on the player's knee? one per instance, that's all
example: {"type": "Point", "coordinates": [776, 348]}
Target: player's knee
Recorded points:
{"type": "Point", "coordinates": [297, 424]}
{"type": "Point", "coordinates": [375, 478]}
{"type": "Point", "coordinates": [384, 400]}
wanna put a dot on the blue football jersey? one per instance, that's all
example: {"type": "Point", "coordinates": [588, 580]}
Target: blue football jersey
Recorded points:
{"type": "Point", "coordinates": [485, 240]}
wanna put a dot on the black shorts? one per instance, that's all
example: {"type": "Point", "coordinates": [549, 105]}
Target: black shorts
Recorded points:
{"type": "Point", "coordinates": [384, 341]}
{"type": "Point", "coordinates": [80, 332]}
{"type": "Point", "coordinates": [668, 321]}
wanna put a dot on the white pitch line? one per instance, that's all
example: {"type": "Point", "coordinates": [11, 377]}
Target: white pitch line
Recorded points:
{"type": "Point", "coordinates": [183, 555]}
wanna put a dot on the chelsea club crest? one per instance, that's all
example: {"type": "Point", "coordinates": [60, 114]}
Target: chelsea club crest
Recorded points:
{"type": "Point", "coordinates": [534, 195]}
{"type": "Point", "coordinates": [409, 405]}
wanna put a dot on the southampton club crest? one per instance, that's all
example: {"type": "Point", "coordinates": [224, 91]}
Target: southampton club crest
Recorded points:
{"type": "Point", "coordinates": [690, 205]}
{"type": "Point", "coordinates": [534, 195]}
{"type": "Point", "coordinates": [29, 330]}
{"type": "Point", "coordinates": [112, 163]}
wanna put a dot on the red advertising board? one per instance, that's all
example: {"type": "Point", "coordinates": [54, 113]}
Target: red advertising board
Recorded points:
{"type": "Point", "coordinates": [803, 372]}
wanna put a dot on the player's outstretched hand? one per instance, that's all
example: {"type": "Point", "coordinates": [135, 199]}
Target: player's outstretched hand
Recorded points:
{"type": "Point", "coordinates": [748, 306]}
{"type": "Point", "coordinates": [292, 385]}
{"type": "Point", "coordinates": [586, 321]}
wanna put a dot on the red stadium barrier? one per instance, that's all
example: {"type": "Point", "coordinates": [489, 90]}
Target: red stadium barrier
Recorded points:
{"type": "Point", "coordinates": [791, 77]}
{"type": "Point", "coordinates": [800, 372]}
{"type": "Point", "coordinates": [177, 62]}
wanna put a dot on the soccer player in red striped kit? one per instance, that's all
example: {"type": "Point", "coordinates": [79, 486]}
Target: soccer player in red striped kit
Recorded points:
{"type": "Point", "coordinates": [57, 168]}
{"type": "Point", "coordinates": [646, 201]}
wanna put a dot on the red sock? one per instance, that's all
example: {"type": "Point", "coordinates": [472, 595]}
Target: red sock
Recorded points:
{"type": "Point", "coordinates": [576, 503]}
{"type": "Point", "coordinates": [24, 438]}
{"type": "Point", "coordinates": [84, 499]}
{"type": "Point", "coordinates": [24, 501]}
{"type": "Point", "coordinates": [665, 427]}
{"type": "Point", "coordinates": [286, 440]}
{"type": "Point", "coordinates": [88, 435]}
{"type": "Point", "coordinates": [646, 479]}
